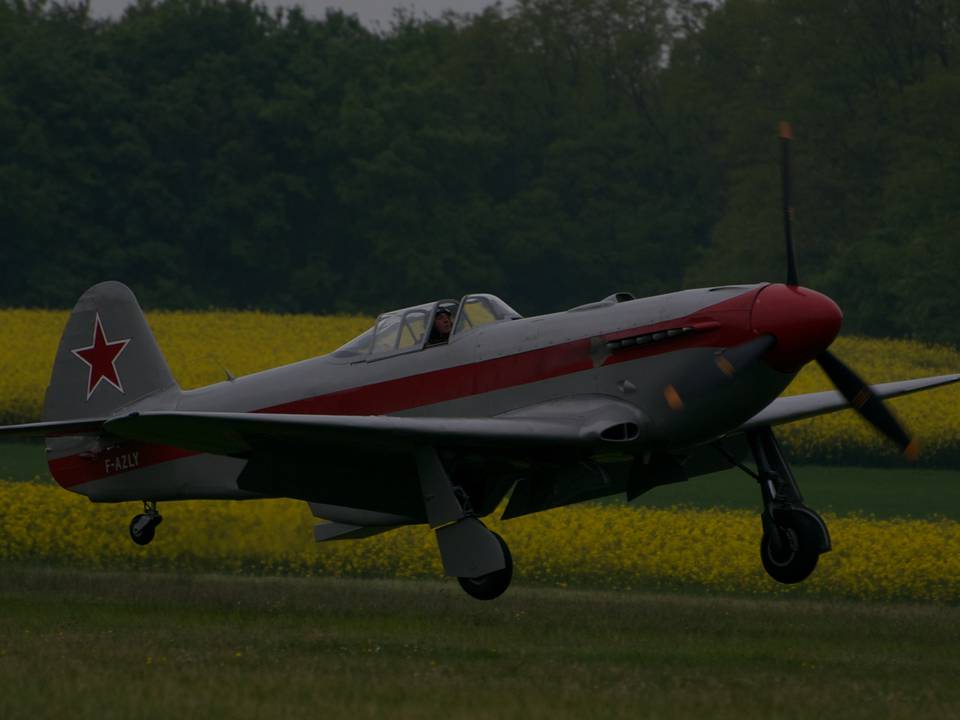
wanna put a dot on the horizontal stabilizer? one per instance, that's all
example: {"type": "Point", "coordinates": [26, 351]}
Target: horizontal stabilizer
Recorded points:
{"type": "Point", "coordinates": [56, 428]}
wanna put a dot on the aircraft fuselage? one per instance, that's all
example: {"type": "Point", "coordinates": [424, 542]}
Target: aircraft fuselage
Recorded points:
{"type": "Point", "coordinates": [661, 355]}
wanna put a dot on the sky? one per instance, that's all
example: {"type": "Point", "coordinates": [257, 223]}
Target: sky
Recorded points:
{"type": "Point", "coordinates": [370, 12]}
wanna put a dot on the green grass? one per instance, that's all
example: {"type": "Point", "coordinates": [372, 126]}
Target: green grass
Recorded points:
{"type": "Point", "coordinates": [104, 645]}
{"type": "Point", "coordinates": [884, 493]}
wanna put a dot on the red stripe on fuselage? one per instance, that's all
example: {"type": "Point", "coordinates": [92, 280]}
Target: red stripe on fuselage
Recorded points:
{"type": "Point", "coordinates": [446, 384]}
{"type": "Point", "coordinates": [130, 455]}
{"type": "Point", "coordinates": [726, 324]}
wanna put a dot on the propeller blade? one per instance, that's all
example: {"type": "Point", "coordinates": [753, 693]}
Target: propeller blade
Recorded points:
{"type": "Point", "coordinates": [868, 405]}
{"type": "Point", "coordinates": [786, 135]}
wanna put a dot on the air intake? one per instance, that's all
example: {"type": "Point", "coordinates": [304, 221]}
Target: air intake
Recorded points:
{"type": "Point", "coordinates": [621, 432]}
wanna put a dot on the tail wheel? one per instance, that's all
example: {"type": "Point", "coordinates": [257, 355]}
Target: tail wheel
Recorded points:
{"type": "Point", "coordinates": [794, 557]}
{"type": "Point", "coordinates": [491, 585]}
{"type": "Point", "coordinates": [143, 527]}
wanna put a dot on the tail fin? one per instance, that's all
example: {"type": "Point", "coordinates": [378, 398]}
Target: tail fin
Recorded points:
{"type": "Point", "coordinates": [107, 358]}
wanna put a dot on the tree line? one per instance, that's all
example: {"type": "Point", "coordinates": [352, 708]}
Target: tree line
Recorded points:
{"type": "Point", "coordinates": [213, 153]}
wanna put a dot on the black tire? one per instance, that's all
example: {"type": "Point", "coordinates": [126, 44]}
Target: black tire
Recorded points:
{"type": "Point", "coordinates": [144, 535]}
{"type": "Point", "coordinates": [492, 585]}
{"type": "Point", "coordinates": [799, 551]}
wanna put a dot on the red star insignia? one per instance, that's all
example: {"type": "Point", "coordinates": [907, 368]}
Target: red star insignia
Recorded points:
{"type": "Point", "coordinates": [101, 357]}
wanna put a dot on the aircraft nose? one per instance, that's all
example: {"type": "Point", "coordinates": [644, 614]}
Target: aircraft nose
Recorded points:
{"type": "Point", "coordinates": [803, 321]}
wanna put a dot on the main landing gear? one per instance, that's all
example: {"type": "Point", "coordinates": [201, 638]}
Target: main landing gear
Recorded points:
{"type": "Point", "coordinates": [494, 584]}
{"type": "Point", "coordinates": [144, 526]}
{"type": "Point", "coordinates": [476, 556]}
{"type": "Point", "coordinates": [794, 536]}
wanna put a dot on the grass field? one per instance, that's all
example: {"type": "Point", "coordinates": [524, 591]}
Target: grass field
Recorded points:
{"type": "Point", "coordinates": [101, 645]}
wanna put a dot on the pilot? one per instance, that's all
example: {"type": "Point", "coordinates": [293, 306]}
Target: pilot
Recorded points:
{"type": "Point", "coordinates": [442, 325]}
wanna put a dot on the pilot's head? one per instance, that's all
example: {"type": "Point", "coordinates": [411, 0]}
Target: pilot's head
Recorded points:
{"type": "Point", "coordinates": [442, 322]}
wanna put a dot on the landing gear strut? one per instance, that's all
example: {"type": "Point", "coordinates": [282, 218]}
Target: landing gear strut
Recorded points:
{"type": "Point", "coordinates": [794, 536]}
{"type": "Point", "coordinates": [144, 525]}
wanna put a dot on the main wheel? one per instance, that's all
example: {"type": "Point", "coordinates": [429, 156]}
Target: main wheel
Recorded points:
{"type": "Point", "coordinates": [799, 549]}
{"type": "Point", "coordinates": [143, 528]}
{"type": "Point", "coordinates": [492, 585]}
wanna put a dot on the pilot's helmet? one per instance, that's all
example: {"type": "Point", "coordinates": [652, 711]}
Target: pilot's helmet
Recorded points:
{"type": "Point", "coordinates": [443, 311]}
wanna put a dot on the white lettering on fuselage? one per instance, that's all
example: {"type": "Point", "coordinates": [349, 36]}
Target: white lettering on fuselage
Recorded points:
{"type": "Point", "coordinates": [121, 463]}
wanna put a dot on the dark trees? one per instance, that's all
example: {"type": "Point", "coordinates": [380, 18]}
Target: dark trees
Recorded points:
{"type": "Point", "coordinates": [217, 154]}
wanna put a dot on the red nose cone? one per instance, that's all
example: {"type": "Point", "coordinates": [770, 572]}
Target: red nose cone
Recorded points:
{"type": "Point", "coordinates": [803, 321]}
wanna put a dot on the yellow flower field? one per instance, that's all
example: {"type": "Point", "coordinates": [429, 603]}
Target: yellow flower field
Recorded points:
{"type": "Point", "coordinates": [600, 546]}
{"type": "Point", "coordinates": [199, 345]}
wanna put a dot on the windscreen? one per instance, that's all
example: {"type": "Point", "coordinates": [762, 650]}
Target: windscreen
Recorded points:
{"type": "Point", "coordinates": [478, 310]}
{"type": "Point", "coordinates": [358, 347]}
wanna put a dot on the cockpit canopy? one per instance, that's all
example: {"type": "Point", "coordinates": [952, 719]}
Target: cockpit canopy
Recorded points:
{"type": "Point", "coordinates": [408, 329]}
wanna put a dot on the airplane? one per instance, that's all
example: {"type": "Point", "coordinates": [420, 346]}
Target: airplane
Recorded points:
{"type": "Point", "coordinates": [440, 411]}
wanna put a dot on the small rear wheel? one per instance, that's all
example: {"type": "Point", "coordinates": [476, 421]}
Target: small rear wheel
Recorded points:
{"type": "Point", "coordinates": [143, 528]}
{"type": "Point", "coordinates": [790, 557]}
{"type": "Point", "coordinates": [492, 585]}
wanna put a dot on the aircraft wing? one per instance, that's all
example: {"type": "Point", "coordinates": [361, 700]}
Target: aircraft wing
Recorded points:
{"type": "Point", "coordinates": [798, 407]}
{"type": "Point", "coordinates": [578, 422]}
{"type": "Point", "coordinates": [242, 433]}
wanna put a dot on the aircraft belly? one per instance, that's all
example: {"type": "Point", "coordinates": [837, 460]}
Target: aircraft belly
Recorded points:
{"type": "Point", "coordinates": [376, 482]}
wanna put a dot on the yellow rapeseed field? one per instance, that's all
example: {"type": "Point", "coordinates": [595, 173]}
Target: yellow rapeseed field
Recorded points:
{"type": "Point", "coordinates": [599, 546]}
{"type": "Point", "coordinates": [199, 345]}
